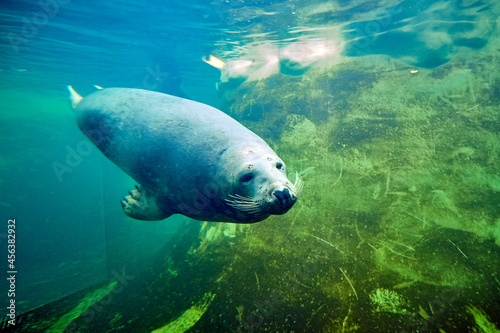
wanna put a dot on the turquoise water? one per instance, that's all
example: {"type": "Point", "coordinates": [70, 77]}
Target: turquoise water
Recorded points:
{"type": "Point", "coordinates": [387, 109]}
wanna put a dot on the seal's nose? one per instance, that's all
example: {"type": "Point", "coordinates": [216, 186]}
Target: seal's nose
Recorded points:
{"type": "Point", "coordinates": [283, 200]}
{"type": "Point", "coordinates": [283, 196]}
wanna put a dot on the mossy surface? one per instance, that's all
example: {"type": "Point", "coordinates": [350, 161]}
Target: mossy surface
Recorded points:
{"type": "Point", "coordinates": [401, 194]}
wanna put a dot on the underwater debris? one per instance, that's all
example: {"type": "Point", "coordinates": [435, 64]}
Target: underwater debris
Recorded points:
{"type": "Point", "coordinates": [213, 232]}
{"type": "Point", "coordinates": [385, 300]}
{"type": "Point", "coordinates": [257, 279]}
{"type": "Point", "coordinates": [423, 313]}
{"type": "Point", "coordinates": [241, 310]}
{"type": "Point", "coordinates": [229, 230]}
{"type": "Point", "coordinates": [190, 317]}
{"type": "Point", "coordinates": [355, 293]}
{"type": "Point", "coordinates": [459, 250]}
{"type": "Point", "coordinates": [328, 243]}
{"type": "Point", "coordinates": [482, 320]}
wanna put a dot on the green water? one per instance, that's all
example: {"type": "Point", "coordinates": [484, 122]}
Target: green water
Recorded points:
{"type": "Point", "coordinates": [395, 134]}
{"type": "Point", "coordinates": [397, 229]}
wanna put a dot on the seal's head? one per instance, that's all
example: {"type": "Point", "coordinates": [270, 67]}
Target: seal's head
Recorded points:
{"type": "Point", "coordinates": [261, 187]}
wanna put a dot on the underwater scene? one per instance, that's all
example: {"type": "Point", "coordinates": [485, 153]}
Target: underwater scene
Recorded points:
{"type": "Point", "coordinates": [385, 218]}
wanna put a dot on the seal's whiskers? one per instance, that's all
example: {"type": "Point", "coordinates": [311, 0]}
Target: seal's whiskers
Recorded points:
{"type": "Point", "coordinates": [298, 184]}
{"type": "Point", "coordinates": [245, 204]}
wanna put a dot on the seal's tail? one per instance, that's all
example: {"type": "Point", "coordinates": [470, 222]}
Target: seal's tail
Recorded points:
{"type": "Point", "coordinates": [74, 97]}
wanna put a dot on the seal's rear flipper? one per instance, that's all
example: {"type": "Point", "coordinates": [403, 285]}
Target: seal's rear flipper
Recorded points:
{"type": "Point", "coordinates": [142, 206]}
{"type": "Point", "coordinates": [74, 97]}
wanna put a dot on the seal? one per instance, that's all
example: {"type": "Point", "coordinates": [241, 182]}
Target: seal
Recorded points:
{"type": "Point", "coordinates": [189, 158]}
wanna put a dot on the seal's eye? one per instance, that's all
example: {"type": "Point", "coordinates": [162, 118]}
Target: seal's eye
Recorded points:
{"type": "Point", "coordinates": [279, 166]}
{"type": "Point", "coordinates": [246, 178]}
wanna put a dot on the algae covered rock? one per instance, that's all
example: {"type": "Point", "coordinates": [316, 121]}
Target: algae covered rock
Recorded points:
{"type": "Point", "coordinates": [400, 192]}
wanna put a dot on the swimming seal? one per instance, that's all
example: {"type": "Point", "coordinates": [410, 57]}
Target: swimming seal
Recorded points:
{"type": "Point", "coordinates": [189, 158]}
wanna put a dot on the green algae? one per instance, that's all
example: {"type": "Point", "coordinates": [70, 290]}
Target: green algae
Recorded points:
{"type": "Point", "coordinates": [185, 321]}
{"type": "Point", "coordinates": [401, 191]}
{"type": "Point", "coordinates": [482, 320]}
{"type": "Point", "coordinates": [86, 303]}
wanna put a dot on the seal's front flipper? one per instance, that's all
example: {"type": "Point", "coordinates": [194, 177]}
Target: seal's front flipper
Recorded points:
{"type": "Point", "coordinates": [142, 206]}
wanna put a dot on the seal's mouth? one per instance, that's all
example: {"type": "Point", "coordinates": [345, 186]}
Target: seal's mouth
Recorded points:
{"type": "Point", "coordinates": [284, 198]}
{"type": "Point", "coordinates": [280, 202]}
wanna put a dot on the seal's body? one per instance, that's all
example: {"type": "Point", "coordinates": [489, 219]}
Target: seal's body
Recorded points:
{"type": "Point", "coordinates": [189, 158]}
